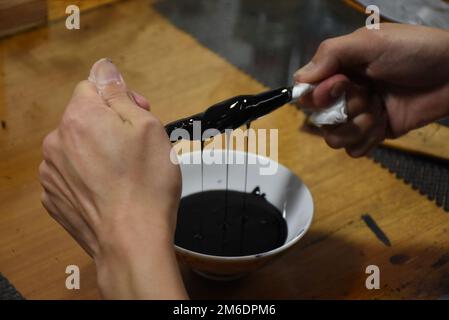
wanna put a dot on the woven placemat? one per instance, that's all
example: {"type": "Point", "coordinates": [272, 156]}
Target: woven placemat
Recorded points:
{"type": "Point", "coordinates": [7, 290]}
{"type": "Point", "coordinates": [444, 122]}
{"type": "Point", "coordinates": [427, 175]}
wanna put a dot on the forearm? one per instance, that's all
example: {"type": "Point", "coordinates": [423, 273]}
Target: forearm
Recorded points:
{"type": "Point", "coordinates": [139, 265]}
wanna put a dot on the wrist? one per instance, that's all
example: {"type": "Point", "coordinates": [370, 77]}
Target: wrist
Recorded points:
{"type": "Point", "coordinates": [137, 260]}
{"type": "Point", "coordinates": [140, 272]}
{"type": "Point", "coordinates": [135, 227]}
{"type": "Point", "coordinates": [133, 271]}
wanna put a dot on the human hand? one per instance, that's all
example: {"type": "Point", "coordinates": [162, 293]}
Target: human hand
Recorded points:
{"type": "Point", "coordinates": [108, 180]}
{"type": "Point", "coordinates": [396, 79]}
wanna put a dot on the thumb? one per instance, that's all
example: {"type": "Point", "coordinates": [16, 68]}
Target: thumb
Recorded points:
{"type": "Point", "coordinates": [112, 88]}
{"type": "Point", "coordinates": [326, 92]}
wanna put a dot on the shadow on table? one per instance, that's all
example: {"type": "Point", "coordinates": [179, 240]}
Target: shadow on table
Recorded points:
{"type": "Point", "coordinates": [317, 267]}
{"type": "Point", "coordinates": [325, 266]}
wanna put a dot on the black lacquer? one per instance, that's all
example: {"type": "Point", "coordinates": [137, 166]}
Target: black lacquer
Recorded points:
{"type": "Point", "coordinates": [234, 112]}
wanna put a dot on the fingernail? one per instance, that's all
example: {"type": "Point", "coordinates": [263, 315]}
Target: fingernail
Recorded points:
{"type": "Point", "coordinates": [305, 69]}
{"type": "Point", "coordinates": [337, 90]}
{"type": "Point", "coordinates": [104, 72]}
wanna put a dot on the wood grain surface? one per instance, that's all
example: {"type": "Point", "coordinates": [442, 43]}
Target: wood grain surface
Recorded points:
{"type": "Point", "coordinates": [56, 8]}
{"type": "Point", "coordinates": [18, 15]}
{"type": "Point", "coordinates": [38, 71]}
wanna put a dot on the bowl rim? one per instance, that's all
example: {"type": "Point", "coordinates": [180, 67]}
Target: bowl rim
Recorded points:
{"type": "Point", "coordinates": [265, 254]}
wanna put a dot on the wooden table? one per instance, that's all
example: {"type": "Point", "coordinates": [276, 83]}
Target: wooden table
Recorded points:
{"type": "Point", "coordinates": [38, 71]}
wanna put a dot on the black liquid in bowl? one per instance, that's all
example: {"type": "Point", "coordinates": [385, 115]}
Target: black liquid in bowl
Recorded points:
{"type": "Point", "coordinates": [229, 223]}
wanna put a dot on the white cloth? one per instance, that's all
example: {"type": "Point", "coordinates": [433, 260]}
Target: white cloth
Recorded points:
{"type": "Point", "coordinates": [335, 114]}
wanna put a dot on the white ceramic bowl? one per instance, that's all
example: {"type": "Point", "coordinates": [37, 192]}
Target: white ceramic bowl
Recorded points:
{"type": "Point", "coordinates": [283, 189]}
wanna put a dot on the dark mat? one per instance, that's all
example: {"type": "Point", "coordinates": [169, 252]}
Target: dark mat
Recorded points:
{"type": "Point", "coordinates": [444, 122]}
{"type": "Point", "coordinates": [7, 290]}
{"type": "Point", "coordinates": [429, 176]}
{"type": "Point", "coordinates": [270, 39]}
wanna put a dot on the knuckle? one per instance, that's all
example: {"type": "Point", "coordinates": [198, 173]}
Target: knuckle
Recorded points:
{"type": "Point", "coordinates": [150, 123]}
{"type": "Point", "coordinates": [354, 153]}
{"type": "Point", "coordinates": [49, 145]}
{"type": "Point", "coordinates": [42, 171]}
{"type": "Point", "coordinates": [43, 197]}
{"type": "Point", "coordinates": [71, 121]}
{"type": "Point", "coordinates": [370, 121]}
{"type": "Point", "coordinates": [366, 123]}
{"type": "Point", "coordinates": [327, 45]}
{"type": "Point", "coordinates": [333, 141]}
{"type": "Point", "coordinates": [83, 87]}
